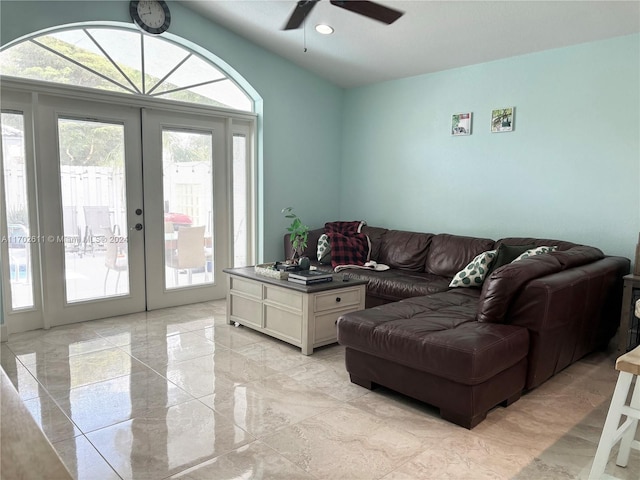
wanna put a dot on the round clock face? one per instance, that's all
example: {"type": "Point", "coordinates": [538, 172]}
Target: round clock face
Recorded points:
{"type": "Point", "coordinates": [152, 16]}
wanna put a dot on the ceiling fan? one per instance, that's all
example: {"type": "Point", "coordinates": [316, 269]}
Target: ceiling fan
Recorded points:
{"type": "Point", "coordinates": [368, 9]}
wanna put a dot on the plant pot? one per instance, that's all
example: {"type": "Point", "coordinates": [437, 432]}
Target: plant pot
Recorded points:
{"type": "Point", "coordinates": [304, 263]}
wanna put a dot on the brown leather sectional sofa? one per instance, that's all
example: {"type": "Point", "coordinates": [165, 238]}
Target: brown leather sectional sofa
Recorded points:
{"type": "Point", "coordinates": [466, 350]}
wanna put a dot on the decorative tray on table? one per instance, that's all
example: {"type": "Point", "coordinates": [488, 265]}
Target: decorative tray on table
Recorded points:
{"type": "Point", "coordinates": [277, 270]}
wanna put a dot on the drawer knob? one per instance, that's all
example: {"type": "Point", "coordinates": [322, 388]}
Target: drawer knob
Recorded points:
{"type": "Point", "coordinates": [338, 299]}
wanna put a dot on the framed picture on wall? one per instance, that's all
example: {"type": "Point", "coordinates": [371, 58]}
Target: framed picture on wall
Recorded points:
{"type": "Point", "coordinates": [502, 119]}
{"type": "Point", "coordinates": [461, 124]}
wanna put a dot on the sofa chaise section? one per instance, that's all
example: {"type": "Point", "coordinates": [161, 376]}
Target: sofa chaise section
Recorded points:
{"type": "Point", "coordinates": [433, 349]}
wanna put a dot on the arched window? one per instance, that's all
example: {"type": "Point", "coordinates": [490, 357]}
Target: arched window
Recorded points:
{"type": "Point", "coordinates": [207, 148]}
{"type": "Point", "coordinates": [125, 61]}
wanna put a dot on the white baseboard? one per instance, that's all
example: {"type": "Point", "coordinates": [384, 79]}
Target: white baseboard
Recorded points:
{"type": "Point", "coordinates": [4, 333]}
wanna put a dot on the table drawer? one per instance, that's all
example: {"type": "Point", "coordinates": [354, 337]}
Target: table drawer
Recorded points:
{"type": "Point", "coordinates": [245, 310]}
{"type": "Point", "coordinates": [326, 329]}
{"type": "Point", "coordinates": [282, 322]}
{"type": "Point", "coordinates": [247, 287]}
{"type": "Point", "coordinates": [283, 297]}
{"type": "Point", "coordinates": [337, 299]}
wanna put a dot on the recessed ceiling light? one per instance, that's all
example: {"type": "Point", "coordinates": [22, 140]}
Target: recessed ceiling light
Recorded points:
{"type": "Point", "coordinates": [324, 29]}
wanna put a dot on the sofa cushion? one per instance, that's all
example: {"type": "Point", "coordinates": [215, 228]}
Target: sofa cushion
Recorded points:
{"type": "Point", "coordinates": [448, 254]}
{"type": "Point", "coordinates": [577, 256]}
{"type": "Point", "coordinates": [473, 274]}
{"type": "Point", "coordinates": [503, 284]}
{"type": "Point", "coordinates": [393, 285]}
{"type": "Point", "coordinates": [436, 334]}
{"type": "Point", "coordinates": [375, 235]}
{"type": "Point", "coordinates": [404, 250]}
{"type": "Point", "coordinates": [536, 242]}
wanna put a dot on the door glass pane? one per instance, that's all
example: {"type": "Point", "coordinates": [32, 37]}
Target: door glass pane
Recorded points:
{"type": "Point", "coordinates": [92, 181]}
{"type": "Point", "coordinates": [240, 238]}
{"type": "Point", "coordinates": [17, 210]}
{"type": "Point", "coordinates": [188, 207]}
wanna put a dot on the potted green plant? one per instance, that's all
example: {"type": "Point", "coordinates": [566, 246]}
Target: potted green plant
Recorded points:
{"type": "Point", "coordinates": [299, 234]}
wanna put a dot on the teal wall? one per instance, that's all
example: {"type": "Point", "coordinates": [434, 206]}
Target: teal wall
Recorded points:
{"type": "Point", "coordinates": [569, 170]}
{"type": "Point", "coordinates": [302, 113]}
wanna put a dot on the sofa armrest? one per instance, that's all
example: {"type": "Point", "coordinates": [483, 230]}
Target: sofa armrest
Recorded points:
{"type": "Point", "coordinates": [568, 314]}
{"type": "Point", "coordinates": [503, 284]}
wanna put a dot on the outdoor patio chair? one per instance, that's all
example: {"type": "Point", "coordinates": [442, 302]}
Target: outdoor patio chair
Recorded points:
{"type": "Point", "coordinates": [115, 256]}
{"type": "Point", "coordinates": [71, 230]}
{"type": "Point", "coordinates": [96, 218]}
{"type": "Point", "coordinates": [189, 253]}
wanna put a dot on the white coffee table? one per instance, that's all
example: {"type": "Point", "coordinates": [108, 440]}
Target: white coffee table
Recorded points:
{"type": "Point", "coordinates": [304, 316]}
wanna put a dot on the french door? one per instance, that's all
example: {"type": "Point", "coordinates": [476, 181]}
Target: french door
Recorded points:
{"type": "Point", "coordinates": [132, 208]}
{"type": "Point", "coordinates": [90, 188]}
{"type": "Point", "coordinates": [186, 208]}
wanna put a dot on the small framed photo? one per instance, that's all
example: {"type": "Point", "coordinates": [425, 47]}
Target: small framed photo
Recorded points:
{"type": "Point", "coordinates": [502, 119]}
{"type": "Point", "coordinates": [461, 124]}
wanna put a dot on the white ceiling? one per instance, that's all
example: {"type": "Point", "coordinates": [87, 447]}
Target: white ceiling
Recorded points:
{"type": "Point", "coordinates": [430, 37]}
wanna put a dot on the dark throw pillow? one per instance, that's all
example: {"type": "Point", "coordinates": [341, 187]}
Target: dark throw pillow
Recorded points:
{"type": "Point", "coordinates": [506, 254]}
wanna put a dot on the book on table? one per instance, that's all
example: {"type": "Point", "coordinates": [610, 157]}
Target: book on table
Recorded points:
{"type": "Point", "coordinates": [310, 274]}
{"type": "Point", "coordinates": [307, 277]}
{"type": "Point", "coordinates": [311, 282]}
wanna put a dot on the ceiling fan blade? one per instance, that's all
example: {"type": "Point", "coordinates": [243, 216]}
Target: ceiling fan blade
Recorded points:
{"type": "Point", "coordinates": [370, 9]}
{"type": "Point", "coordinates": [300, 12]}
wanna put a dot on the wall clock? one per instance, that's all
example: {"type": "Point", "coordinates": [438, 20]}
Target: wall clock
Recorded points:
{"type": "Point", "coordinates": [152, 16]}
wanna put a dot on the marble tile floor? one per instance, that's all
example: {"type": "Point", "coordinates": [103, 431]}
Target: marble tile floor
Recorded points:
{"type": "Point", "coordinates": [177, 393]}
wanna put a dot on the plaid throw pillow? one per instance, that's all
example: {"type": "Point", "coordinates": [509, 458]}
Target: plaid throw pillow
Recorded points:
{"type": "Point", "coordinates": [346, 228]}
{"type": "Point", "coordinates": [352, 249]}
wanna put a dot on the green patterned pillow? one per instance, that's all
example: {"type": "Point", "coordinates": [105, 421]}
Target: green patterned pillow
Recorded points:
{"type": "Point", "coordinates": [324, 249]}
{"type": "Point", "coordinates": [535, 251]}
{"type": "Point", "coordinates": [473, 274]}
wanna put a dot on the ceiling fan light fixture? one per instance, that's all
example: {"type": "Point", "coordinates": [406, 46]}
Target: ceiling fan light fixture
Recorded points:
{"type": "Point", "coordinates": [324, 29]}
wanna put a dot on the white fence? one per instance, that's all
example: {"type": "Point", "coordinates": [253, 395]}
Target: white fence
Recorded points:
{"type": "Point", "coordinates": [103, 189]}
{"type": "Point", "coordinates": [92, 198]}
